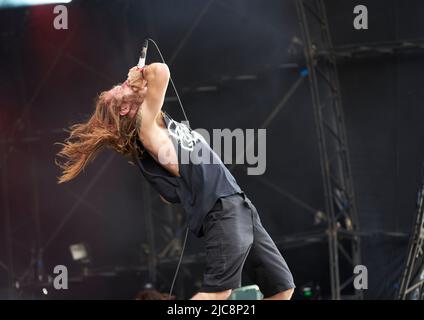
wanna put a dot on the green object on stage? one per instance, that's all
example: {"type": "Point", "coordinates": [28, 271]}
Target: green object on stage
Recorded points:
{"type": "Point", "coordinates": [246, 293]}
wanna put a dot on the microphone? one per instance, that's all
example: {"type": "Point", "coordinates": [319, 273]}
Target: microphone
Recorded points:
{"type": "Point", "coordinates": [142, 60]}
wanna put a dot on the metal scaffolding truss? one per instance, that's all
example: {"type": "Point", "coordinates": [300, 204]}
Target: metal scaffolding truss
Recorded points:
{"type": "Point", "coordinates": [340, 210]}
{"type": "Point", "coordinates": [412, 282]}
{"type": "Point", "coordinates": [377, 49]}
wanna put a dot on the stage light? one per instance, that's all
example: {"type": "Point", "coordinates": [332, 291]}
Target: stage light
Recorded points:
{"type": "Point", "coordinates": [79, 252]}
{"type": "Point", "coordinates": [23, 3]}
{"type": "Point", "coordinates": [307, 292]}
{"type": "Point", "coordinates": [310, 291]}
{"type": "Point", "coordinates": [304, 72]}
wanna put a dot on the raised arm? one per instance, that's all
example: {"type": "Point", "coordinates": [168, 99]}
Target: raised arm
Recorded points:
{"type": "Point", "coordinates": [156, 75]}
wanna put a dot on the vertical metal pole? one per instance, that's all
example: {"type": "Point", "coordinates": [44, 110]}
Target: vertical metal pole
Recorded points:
{"type": "Point", "coordinates": [7, 226]}
{"type": "Point", "coordinates": [150, 232]}
{"type": "Point", "coordinates": [325, 168]}
{"type": "Point", "coordinates": [38, 253]}
{"type": "Point", "coordinates": [343, 166]}
{"type": "Point", "coordinates": [340, 204]}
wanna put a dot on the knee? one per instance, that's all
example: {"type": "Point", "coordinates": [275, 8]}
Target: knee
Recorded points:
{"type": "Point", "coordinates": [285, 295]}
{"type": "Point", "coordinates": [222, 295]}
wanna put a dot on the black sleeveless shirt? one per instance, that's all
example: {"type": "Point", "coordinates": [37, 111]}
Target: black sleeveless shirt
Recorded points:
{"type": "Point", "coordinates": [203, 176]}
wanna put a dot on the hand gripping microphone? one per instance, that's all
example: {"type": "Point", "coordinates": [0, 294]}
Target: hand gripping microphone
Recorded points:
{"type": "Point", "coordinates": [142, 60]}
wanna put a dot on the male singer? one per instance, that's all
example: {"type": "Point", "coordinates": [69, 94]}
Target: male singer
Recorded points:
{"type": "Point", "coordinates": [128, 119]}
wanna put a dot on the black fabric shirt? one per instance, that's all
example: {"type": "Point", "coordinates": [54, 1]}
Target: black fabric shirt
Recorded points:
{"type": "Point", "coordinates": [203, 177]}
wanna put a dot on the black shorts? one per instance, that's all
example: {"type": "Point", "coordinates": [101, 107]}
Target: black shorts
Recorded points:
{"type": "Point", "coordinates": [235, 238]}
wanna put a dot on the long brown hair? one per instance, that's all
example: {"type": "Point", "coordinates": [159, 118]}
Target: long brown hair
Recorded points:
{"type": "Point", "coordinates": [105, 128]}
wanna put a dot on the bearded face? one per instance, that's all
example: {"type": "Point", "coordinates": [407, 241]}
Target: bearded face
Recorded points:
{"type": "Point", "coordinates": [126, 99]}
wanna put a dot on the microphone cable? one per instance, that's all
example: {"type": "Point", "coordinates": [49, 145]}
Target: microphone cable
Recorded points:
{"type": "Point", "coordinates": [138, 164]}
{"type": "Point", "coordinates": [172, 82]}
{"type": "Point", "coordinates": [178, 265]}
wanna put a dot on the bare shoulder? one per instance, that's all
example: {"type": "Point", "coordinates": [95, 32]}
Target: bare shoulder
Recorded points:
{"type": "Point", "coordinates": [153, 134]}
{"type": "Point", "coordinates": [157, 142]}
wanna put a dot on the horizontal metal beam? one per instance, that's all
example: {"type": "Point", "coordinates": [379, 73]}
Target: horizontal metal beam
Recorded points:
{"type": "Point", "coordinates": [374, 49]}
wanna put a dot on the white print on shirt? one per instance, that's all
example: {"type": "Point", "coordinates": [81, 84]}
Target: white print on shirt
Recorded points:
{"type": "Point", "coordinates": [186, 137]}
